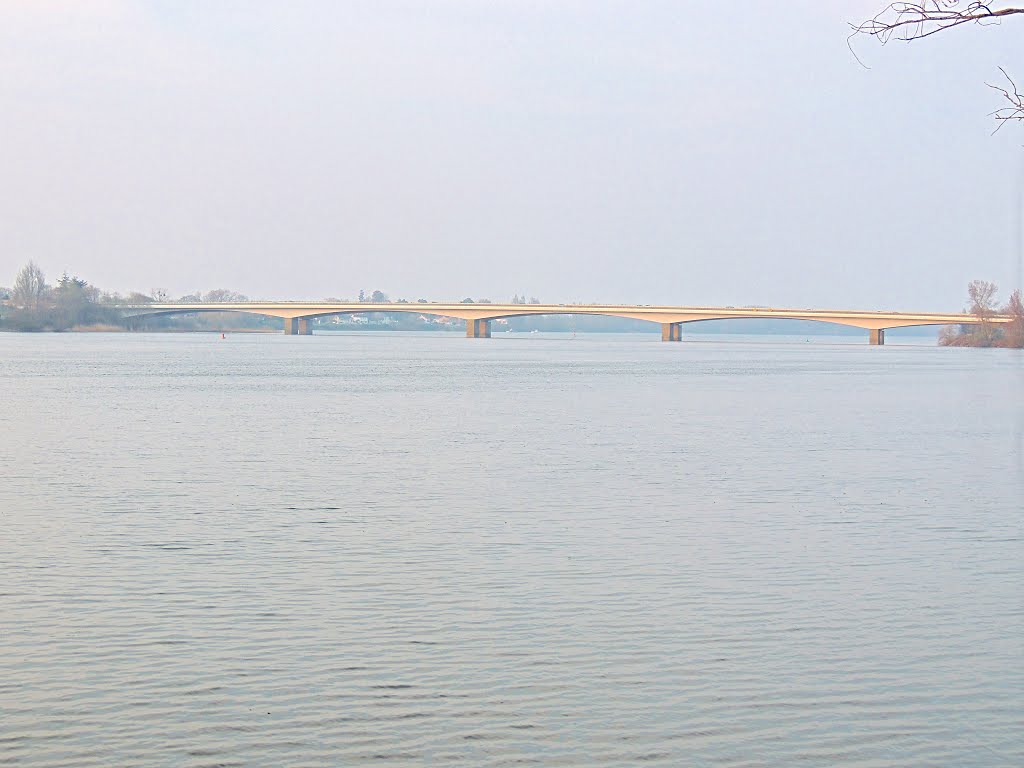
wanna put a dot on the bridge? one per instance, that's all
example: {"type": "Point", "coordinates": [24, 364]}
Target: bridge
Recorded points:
{"type": "Point", "coordinates": [296, 315]}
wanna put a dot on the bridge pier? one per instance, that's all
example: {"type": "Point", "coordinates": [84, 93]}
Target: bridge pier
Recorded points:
{"type": "Point", "coordinates": [291, 326]}
{"type": "Point", "coordinates": [671, 331]}
{"type": "Point", "coordinates": [305, 327]}
{"type": "Point", "coordinates": [877, 336]}
{"type": "Point", "coordinates": [478, 329]}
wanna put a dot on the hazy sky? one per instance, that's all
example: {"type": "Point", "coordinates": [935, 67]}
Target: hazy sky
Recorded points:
{"type": "Point", "coordinates": [640, 151]}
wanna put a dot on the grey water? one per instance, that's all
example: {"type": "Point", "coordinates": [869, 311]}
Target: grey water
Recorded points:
{"type": "Point", "coordinates": [410, 550]}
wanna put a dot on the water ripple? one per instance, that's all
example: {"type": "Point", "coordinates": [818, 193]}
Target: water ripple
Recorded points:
{"type": "Point", "coordinates": [405, 551]}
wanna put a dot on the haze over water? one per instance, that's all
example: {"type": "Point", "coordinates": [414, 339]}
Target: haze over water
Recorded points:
{"type": "Point", "coordinates": [414, 550]}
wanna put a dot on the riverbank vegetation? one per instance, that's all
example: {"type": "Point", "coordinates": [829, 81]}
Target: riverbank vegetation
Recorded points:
{"type": "Point", "coordinates": [982, 303]}
{"type": "Point", "coordinates": [33, 304]}
{"type": "Point", "coordinates": [73, 304]}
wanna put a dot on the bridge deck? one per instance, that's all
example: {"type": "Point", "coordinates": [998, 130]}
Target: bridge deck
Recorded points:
{"type": "Point", "coordinates": [867, 319]}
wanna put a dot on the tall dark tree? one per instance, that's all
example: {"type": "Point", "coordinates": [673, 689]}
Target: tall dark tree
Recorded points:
{"type": "Point", "coordinates": [75, 302]}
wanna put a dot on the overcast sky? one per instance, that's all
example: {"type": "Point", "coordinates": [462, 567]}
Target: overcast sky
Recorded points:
{"type": "Point", "coordinates": [588, 150]}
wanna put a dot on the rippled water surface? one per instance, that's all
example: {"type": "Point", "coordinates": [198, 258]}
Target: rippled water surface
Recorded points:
{"type": "Point", "coordinates": [411, 550]}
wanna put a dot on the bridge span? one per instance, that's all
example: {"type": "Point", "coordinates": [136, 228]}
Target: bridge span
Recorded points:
{"type": "Point", "coordinates": [296, 315]}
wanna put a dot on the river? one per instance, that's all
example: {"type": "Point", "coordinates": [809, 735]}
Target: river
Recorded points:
{"type": "Point", "coordinates": [409, 550]}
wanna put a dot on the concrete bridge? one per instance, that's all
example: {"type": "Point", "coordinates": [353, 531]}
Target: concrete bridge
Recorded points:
{"type": "Point", "coordinates": [297, 315]}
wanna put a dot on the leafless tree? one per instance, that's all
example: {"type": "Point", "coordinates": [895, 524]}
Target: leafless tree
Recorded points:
{"type": "Point", "coordinates": [29, 286]}
{"type": "Point", "coordinates": [913, 21]}
{"type": "Point", "coordinates": [1015, 330]}
{"type": "Point", "coordinates": [982, 297]}
{"type": "Point", "coordinates": [223, 295]}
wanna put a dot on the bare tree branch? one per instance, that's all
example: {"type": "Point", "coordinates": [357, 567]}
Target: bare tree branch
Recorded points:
{"type": "Point", "coordinates": [1016, 99]}
{"type": "Point", "coordinates": [914, 21]}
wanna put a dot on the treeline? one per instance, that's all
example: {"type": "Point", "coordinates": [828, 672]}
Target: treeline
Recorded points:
{"type": "Point", "coordinates": [32, 304]}
{"type": "Point", "coordinates": [983, 304]}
